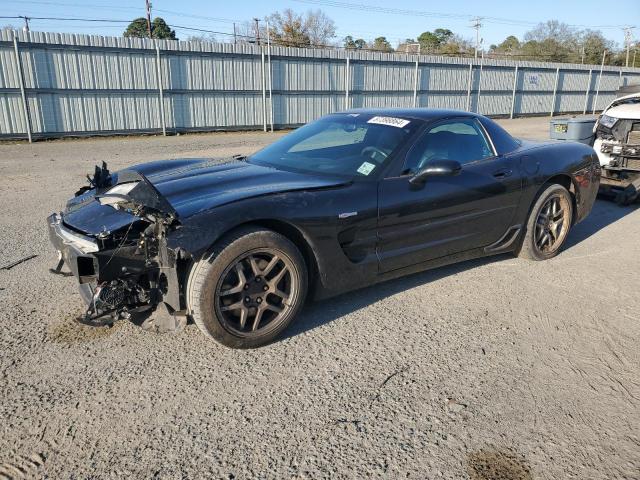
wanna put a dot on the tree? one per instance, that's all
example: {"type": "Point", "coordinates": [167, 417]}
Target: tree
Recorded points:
{"type": "Point", "coordinates": [456, 45]}
{"type": "Point", "coordinates": [431, 41]}
{"type": "Point", "coordinates": [159, 29]}
{"type": "Point", "coordinates": [381, 44]}
{"type": "Point", "coordinates": [358, 43]}
{"type": "Point", "coordinates": [203, 38]}
{"type": "Point", "coordinates": [593, 45]}
{"type": "Point", "coordinates": [137, 28]}
{"type": "Point", "coordinates": [511, 44]}
{"type": "Point", "coordinates": [552, 41]}
{"type": "Point", "coordinates": [288, 29]}
{"type": "Point", "coordinates": [443, 35]}
{"type": "Point", "coordinates": [428, 42]}
{"type": "Point", "coordinates": [295, 30]}
{"type": "Point", "coordinates": [320, 28]}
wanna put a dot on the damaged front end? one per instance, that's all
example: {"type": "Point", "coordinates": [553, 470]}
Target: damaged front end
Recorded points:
{"type": "Point", "coordinates": [130, 268]}
{"type": "Point", "coordinates": [617, 144]}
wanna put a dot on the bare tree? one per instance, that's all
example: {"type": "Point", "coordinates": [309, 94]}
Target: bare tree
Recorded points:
{"type": "Point", "coordinates": [288, 28]}
{"type": "Point", "coordinates": [320, 28]}
{"type": "Point", "coordinates": [292, 29]}
{"type": "Point", "coordinates": [202, 38]}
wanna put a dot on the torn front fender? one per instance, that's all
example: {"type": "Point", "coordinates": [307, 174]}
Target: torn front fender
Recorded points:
{"type": "Point", "coordinates": [135, 193]}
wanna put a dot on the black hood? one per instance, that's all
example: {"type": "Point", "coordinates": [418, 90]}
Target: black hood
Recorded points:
{"type": "Point", "coordinates": [191, 186]}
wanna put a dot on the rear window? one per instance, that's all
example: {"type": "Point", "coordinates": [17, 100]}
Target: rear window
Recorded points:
{"type": "Point", "coordinates": [503, 142]}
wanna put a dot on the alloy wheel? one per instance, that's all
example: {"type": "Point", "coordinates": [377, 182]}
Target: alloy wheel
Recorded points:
{"type": "Point", "coordinates": [256, 292]}
{"type": "Point", "coordinates": [552, 224]}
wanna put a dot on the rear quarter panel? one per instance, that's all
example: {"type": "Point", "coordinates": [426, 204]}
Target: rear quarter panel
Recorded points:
{"type": "Point", "coordinates": [543, 163]}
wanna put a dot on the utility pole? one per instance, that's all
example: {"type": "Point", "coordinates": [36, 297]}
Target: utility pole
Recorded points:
{"type": "Point", "coordinates": [26, 24]}
{"type": "Point", "coordinates": [257, 20]}
{"type": "Point", "coordinates": [235, 39]}
{"type": "Point", "coordinates": [149, 18]}
{"type": "Point", "coordinates": [477, 25]}
{"type": "Point", "coordinates": [634, 57]}
{"type": "Point", "coordinates": [627, 40]}
{"type": "Point", "coordinates": [582, 55]}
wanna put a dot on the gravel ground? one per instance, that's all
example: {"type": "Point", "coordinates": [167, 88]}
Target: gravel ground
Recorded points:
{"type": "Point", "coordinates": [496, 368]}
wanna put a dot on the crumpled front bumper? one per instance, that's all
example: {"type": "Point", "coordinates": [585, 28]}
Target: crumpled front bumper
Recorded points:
{"type": "Point", "coordinates": [76, 251]}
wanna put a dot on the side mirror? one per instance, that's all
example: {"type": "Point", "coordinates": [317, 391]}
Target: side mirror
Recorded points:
{"type": "Point", "coordinates": [436, 168]}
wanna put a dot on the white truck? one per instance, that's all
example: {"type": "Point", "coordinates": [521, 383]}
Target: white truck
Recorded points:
{"type": "Point", "coordinates": [617, 143]}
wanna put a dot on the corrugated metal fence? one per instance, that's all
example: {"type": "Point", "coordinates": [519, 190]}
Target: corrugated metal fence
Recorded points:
{"type": "Point", "coordinates": [62, 84]}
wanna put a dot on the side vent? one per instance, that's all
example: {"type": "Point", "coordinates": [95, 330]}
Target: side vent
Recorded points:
{"type": "Point", "coordinates": [507, 240]}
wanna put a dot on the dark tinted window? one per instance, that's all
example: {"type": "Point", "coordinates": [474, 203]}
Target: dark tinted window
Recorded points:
{"type": "Point", "coordinates": [353, 145]}
{"type": "Point", "coordinates": [459, 140]}
{"type": "Point", "coordinates": [503, 142]}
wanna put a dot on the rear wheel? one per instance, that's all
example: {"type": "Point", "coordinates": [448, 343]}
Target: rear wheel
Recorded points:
{"type": "Point", "coordinates": [548, 224]}
{"type": "Point", "coordinates": [248, 289]}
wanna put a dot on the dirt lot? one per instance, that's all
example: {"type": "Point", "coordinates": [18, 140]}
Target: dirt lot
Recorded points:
{"type": "Point", "coordinates": [497, 368]}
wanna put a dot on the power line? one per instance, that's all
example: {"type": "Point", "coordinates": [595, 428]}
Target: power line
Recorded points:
{"type": "Point", "coordinates": [253, 39]}
{"type": "Point", "coordinates": [68, 19]}
{"type": "Point", "coordinates": [75, 5]}
{"type": "Point", "coordinates": [421, 13]}
{"type": "Point", "coordinates": [201, 17]}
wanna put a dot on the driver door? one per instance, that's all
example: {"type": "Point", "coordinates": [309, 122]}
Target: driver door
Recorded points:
{"type": "Point", "coordinates": [447, 214]}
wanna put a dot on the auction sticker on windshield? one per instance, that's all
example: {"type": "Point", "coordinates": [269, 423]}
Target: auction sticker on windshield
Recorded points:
{"type": "Point", "coordinates": [366, 168]}
{"type": "Point", "coordinates": [391, 121]}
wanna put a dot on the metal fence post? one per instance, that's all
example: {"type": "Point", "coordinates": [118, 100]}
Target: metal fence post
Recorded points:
{"type": "Point", "coordinates": [513, 94]}
{"type": "Point", "coordinates": [25, 105]}
{"type": "Point", "coordinates": [555, 92]}
{"type": "Point", "coordinates": [270, 79]}
{"type": "Point", "coordinates": [415, 86]}
{"type": "Point", "coordinates": [588, 90]}
{"type": "Point", "coordinates": [347, 80]}
{"type": "Point", "coordinates": [479, 84]}
{"type": "Point", "coordinates": [264, 92]}
{"type": "Point", "coordinates": [469, 87]}
{"type": "Point", "coordinates": [595, 101]}
{"type": "Point", "coordinates": [160, 91]}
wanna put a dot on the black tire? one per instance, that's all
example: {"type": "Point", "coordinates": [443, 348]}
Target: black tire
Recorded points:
{"type": "Point", "coordinates": [530, 246]}
{"type": "Point", "coordinates": [240, 253]}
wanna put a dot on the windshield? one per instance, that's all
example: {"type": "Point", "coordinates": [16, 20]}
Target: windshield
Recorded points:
{"type": "Point", "coordinates": [346, 144]}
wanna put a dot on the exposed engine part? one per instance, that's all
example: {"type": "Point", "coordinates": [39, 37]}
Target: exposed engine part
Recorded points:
{"type": "Point", "coordinates": [113, 301]}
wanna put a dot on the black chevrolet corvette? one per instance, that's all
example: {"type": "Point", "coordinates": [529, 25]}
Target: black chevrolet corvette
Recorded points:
{"type": "Point", "coordinates": [346, 201]}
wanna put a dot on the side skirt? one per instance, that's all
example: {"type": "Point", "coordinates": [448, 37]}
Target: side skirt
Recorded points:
{"type": "Point", "coordinates": [321, 293]}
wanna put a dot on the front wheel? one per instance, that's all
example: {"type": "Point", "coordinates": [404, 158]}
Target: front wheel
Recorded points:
{"type": "Point", "coordinates": [248, 289]}
{"type": "Point", "coordinates": [548, 224]}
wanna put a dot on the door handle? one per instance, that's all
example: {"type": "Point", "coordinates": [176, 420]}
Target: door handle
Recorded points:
{"type": "Point", "coordinates": [504, 173]}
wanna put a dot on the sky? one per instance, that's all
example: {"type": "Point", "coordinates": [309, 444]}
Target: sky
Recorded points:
{"type": "Point", "coordinates": [363, 19]}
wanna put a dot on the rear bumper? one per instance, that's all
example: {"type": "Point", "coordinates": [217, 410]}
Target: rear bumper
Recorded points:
{"type": "Point", "coordinates": [76, 251]}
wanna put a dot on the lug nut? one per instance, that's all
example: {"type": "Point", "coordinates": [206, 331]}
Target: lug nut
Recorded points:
{"type": "Point", "coordinates": [265, 288]}
{"type": "Point", "coordinates": [258, 300]}
{"type": "Point", "coordinates": [258, 279]}
{"type": "Point", "coordinates": [247, 299]}
{"type": "Point", "coordinates": [246, 287]}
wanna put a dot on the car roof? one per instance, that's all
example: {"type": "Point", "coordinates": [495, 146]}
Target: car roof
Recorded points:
{"type": "Point", "coordinates": [419, 113]}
